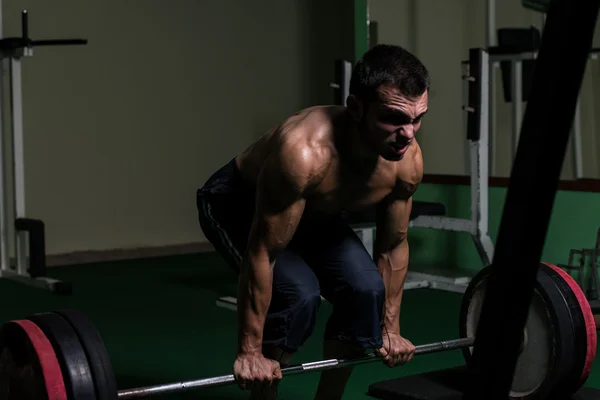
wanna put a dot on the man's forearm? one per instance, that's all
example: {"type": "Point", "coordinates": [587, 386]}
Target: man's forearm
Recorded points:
{"type": "Point", "coordinates": [393, 266]}
{"type": "Point", "coordinates": [254, 298]}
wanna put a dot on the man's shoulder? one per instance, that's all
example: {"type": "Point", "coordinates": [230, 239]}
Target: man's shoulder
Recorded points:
{"type": "Point", "coordinates": [303, 156]}
{"type": "Point", "coordinates": [299, 156]}
{"type": "Point", "coordinates": [313, 123]}
{"type": "Point", "coordinates": [305, 141]}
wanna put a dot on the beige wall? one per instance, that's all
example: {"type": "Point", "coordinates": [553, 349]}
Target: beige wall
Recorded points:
{"type": "Point", "coordinates": [441, 32]}
{"type": "Point", "coordinates": [120, 133]}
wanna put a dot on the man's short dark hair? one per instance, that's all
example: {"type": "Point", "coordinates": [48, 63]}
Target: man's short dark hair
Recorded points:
{"type": "Point", "coordinates": [388, 64]}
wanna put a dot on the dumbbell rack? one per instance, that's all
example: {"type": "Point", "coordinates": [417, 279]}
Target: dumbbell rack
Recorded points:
{"type": "Point", "coordinates": [578, 258]}
{"type": "Point", "coordinates": [29, 267]}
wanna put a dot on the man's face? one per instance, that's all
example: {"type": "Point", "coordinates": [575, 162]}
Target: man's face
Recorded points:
{"type": "Point", "coordinates": [389, 124]}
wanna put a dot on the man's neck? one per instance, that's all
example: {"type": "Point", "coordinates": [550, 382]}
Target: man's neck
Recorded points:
{"type": "Point", "coordinates": [354, 146]}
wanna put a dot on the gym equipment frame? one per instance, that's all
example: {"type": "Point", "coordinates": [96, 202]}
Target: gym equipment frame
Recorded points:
{"type": "Point", "coordinates": [28, 233]}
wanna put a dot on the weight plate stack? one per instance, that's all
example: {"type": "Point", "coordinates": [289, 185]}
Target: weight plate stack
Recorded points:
{"type": "Point", "coordinates": [95, 350]}
{"type": "Point", "coordinates": [548, 342]}
{"type": "Point", "coordinates": [70, 353]}
{"type": "Point", "coordinates": [584, 330]}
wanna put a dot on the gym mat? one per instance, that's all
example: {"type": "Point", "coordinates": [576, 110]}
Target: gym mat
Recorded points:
{"type": "Point", "coordinates": [445, 384]}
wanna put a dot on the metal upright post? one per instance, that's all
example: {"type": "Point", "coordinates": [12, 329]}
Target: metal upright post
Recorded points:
{"type": "Point", "coordinates": [4, 231]}
{"type": "Point", "coordinates": [491, 41]}
{"type": "Point", "coordinates": [577, 150]}
{"type": "Point", "coordinates": [517, 94]}
{"type": "Point", "coordinates": [16, 103]}
{"type": "Point", "coordinates": [30, 265]}
{"type": "Point", "coordinates": [479, 149]}
{"type": "Point", "coordinates": [343, 73]}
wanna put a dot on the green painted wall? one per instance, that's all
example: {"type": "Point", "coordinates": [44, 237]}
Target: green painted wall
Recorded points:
{"type": "Point", "coordinates": [361, 28]}
{"type": "Point", "coordinates": [574, 224]}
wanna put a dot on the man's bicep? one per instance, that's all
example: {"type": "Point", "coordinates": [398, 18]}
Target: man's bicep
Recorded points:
{"type": "Point", "coordinates": [393, 217]}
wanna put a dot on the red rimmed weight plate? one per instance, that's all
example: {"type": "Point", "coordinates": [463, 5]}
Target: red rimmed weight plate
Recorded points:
{"type": "Point", "coordinates": [584, 329]}
{"type": "Point", "coordinates": [71, 356]}
{"type": "Point", "coordinates": [29, 368]}
{"type": "Point", "coordinates": [548, 344]}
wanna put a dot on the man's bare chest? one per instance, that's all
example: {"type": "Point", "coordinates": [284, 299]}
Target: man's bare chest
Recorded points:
{"type": "Point", "coordinates": [343, 190]}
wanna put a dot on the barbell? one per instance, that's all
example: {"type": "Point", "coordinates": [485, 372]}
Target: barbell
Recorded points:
{"type": "Point", "coordinates": [60, 355]}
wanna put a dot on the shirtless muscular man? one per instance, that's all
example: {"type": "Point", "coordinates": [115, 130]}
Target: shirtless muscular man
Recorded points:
{"type": "Point", "coordinates": [276, 213]}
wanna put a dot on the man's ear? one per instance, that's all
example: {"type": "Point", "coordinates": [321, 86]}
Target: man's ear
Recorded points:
{"type": "Point", "coordinates": [355, 107]}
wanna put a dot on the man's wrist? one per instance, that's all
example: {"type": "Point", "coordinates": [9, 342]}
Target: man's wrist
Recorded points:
{"type": "Point", "coordinates": [245, 349]}
{"type": "Point", "coordinates": [244, 353]}
{"type": "Point", "coordinates": [249, 342]}
{"type": "Point", "coordinates": [391, 328]}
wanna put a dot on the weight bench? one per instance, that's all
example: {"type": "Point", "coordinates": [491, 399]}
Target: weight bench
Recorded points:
{"type": "Point", "coordinates": [363, 222]}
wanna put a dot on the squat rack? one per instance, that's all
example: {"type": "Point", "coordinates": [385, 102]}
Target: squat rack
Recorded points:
{"type": "Point", "coordinates": [29, 267]}
{"type": "Point", "coordinates": [568, 34]}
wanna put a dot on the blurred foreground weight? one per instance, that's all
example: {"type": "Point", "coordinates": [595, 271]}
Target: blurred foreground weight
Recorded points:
{"type": "Point", "coordinates": [60, 355]}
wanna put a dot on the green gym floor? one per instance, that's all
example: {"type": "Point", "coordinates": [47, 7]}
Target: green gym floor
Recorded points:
{"type": "Point", "coordinates": [160, 324]}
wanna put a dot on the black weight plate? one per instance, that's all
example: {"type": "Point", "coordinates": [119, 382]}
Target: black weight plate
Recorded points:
{"type": "Point", "coordinates": [97, 355]}
{"type": "Point", "coordinates": [584, 330]}
{"type": "Point", "coordinates": [562, 317]}
{"type": "Point", "coordinates": [70, 353]}
{"type": "Point", "coordinates": [547, 337]}
{"type": "Point", "coordinates": [29, 369]}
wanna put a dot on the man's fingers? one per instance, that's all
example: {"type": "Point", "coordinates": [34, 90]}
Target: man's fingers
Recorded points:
{"type": "Point", "coordinates": [400, 352]}
{"type": "Point", "coordinates": [383, 352]}
{"type": "Point", "coordinates": [405, 355]}
{"type": "Point", "coordinates": [387, 362]}
{"type": "Point", "coordinates": [399, 355]}
{"type": "Point", "coordinates": [405, 358]}
{"type": "Point", "coordinates": [277, 371]}
{"type": "Point", "coordinates": [408, 355]}
{"type": "Point", "coordinates": [241, 381]}
{"type": "Point", "coordinates": [411, 355]}
{"type": "Point", "coordinates": [248, 381]}
{"type": "Point", "coordinates": [399, 359]}
{"type": "Point", "coordinates": [388, 356]}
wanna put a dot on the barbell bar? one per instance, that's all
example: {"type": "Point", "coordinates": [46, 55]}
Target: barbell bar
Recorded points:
{"type": "Point", "coordinates": [314, 366]}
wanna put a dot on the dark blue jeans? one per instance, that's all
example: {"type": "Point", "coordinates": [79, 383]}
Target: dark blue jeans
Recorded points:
{"type": "Point", "coordinates": [325, 257]}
